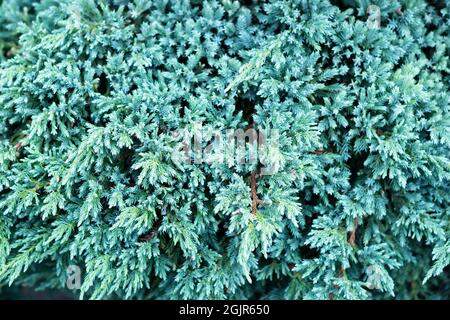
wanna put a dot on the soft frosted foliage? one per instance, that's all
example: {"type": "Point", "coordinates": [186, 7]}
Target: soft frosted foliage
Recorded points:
{"type": "Point", "coordinates": [357, 206]}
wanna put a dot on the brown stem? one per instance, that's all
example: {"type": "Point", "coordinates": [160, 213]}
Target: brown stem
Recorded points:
{"type": "Point", "coordinates": [340, 275]}
{"type": "Point", "coordinates": [18, 146]}
{"type": "Point", "coordinates": [255, 200]}
{"type": "Point", "coordinates": [152, 233]}
{"type": "Point", "coordinates": [154, 230]}
{"type": "Point", "coordinates": [351, 239]}
{"type": "Point", "coordinates": [320, 151]}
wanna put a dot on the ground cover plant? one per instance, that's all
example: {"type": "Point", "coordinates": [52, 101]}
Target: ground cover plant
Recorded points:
{"type": "Point", "coordinates": [350, 201]}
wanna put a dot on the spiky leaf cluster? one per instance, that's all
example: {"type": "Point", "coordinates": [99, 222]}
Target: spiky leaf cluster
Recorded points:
{"type": "Point", "coordinates": [356, 205]}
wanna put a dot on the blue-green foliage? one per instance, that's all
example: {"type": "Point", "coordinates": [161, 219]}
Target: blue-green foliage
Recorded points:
{"type": "Point", "coordinates": [357, 206]}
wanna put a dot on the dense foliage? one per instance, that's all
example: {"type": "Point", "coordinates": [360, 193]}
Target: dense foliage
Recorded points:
{"type": "Point", "coordinates": [357, 202]}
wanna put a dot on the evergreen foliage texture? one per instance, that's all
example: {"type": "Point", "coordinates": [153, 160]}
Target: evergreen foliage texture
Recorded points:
{"type": "Point", "coordinates": [357, 202]}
